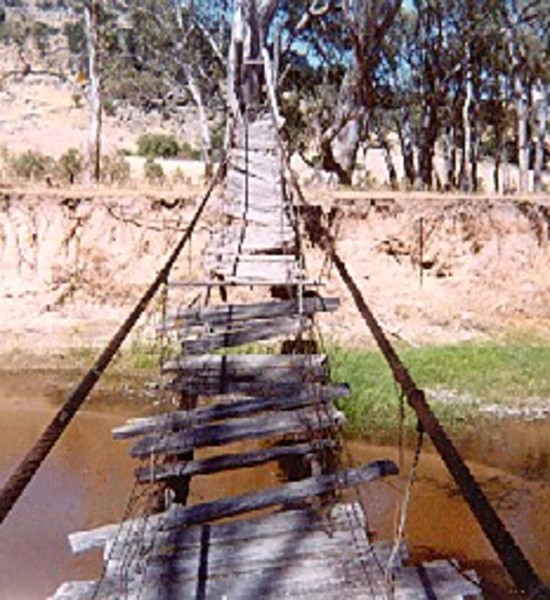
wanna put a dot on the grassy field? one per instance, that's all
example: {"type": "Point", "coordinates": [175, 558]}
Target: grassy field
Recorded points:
{"type": "Point", "coordinates": [458, 379]}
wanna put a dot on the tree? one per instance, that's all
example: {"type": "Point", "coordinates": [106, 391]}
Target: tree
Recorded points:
{"type": "Point", "coordinates": [92, 21]}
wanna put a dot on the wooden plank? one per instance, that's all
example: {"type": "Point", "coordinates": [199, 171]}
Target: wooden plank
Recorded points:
{"type": "Point", "coordinates": [245, 365]}
{"type": "Point", "coordinates": [437, 579]}
{"type": "Point", "coordinates": [170, 523]}
{"type": "Point", "coordinates": [228, 462]}
{"type": "Point", "coordinates": [288, 493]}
{"type": "Point", "coordinates": [254, 271]}
{"type": "Point", "coordinates": [243, 237]}
{"type": "Point", "coordinates": [219, 386]}
{"type": "Point", "coordinates": [313, 550]}
{"type": "Point", "coordinates": [229, 313]}
{"type": "Point", "coordinates": [230, 282]}
{"type": "Point", "coordinates": [289, 422]}
{"type": "Point", "coordinates": [310, 395]}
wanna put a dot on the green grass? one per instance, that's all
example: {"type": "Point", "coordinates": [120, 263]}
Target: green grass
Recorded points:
{"type": "Point", "coordinates": [458, 378]}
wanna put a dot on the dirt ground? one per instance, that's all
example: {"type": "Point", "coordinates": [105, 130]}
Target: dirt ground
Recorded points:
{"type": "Point", "coordinates": [73, 261]}
{"type": "Point", "coordinates": [434, 270]}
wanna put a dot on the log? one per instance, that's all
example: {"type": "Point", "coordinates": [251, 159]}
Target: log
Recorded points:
{"type": "Point", "coordinates": [310, 395]}
{"type": "Point", "coordinates": [289, 422]}
{"type": "Point", "coordinates": [228, 462]}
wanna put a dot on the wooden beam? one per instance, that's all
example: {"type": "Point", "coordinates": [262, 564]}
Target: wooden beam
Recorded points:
{"type": "Point", "coordinates": [254, 331]}
{"type": "Point", "coordinates": [288, 493]}
{"type": "Point", "coordinates": [230, 313]}
{"type": "Point", "coordinates": [273, 366]}
{"type": "Point", "coordinates": [170, 523]}
{"type": "Point", "coordinates": [227, 462]}
{"type": "Point", "coordinates": [289, 422]}
{"type": "Point", "coordinates": [311, 394]}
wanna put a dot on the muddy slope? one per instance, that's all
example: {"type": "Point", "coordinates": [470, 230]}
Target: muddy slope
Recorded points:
{"type": "Point", "coordinates": [434, 270]}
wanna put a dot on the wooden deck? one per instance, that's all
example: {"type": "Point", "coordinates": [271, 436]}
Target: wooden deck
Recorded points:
{"type": "Point", "coordinates": [297, 538]}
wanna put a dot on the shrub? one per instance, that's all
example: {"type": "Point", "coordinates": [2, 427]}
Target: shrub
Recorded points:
{"type": "Point", "coordinates": [70, 165]}
{"type": "Point", "coordinates": [31, 165]}
{"type": "Point", "coordinates": [115, 168]}
{"type": "Point", "coordinates": [187, 152]}
{"type": "Point", "coordinates": [157, 145]}
{"type": "Point", "coordinates": [153, 171]}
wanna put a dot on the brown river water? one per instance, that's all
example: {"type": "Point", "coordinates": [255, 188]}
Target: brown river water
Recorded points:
{"type": "Point", "coordinates": [87, 482]}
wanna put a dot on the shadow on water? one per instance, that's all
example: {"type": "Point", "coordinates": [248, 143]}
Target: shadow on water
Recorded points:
{"type": "Point", "coordinates": [87, 481]}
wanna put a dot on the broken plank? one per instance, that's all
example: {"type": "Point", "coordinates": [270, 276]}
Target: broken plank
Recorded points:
{"type": "Point", "coordinates": [310, 395]}
{"type": "Point", "coordinates": [289, 422]}
{"type": "Point", "coordinates": [229, 313]}
{"type": "Point", "coordinates": [228, 462]}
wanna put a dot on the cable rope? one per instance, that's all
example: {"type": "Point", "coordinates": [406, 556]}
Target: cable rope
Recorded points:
{"type": "Point", "coordinates": [404, 510]}
{"type": "Point", "coordinates": [27, 468]}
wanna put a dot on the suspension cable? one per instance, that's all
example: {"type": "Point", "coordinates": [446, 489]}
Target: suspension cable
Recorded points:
{"type": "Point", "coordinates": [509, 553]}
{"type": "Point", "coordinates": [30, 464]}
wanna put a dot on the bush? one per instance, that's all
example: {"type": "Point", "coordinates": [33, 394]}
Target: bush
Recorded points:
{"type": "Point", "coordinates": [31, 165]}
{"type": "Point", "coordinates": [153, 171]}
{"type": "Point", "coordinates": [115, 168]}
{"type": "Point", "coordinates": [70, 165]}
{"type": "Point", "coordinates": [187, 152]}
{"type": "Point", "coordinates": [157, 145]}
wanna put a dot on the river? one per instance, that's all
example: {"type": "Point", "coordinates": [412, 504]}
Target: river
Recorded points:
{"type": "Point", "coordinates": [87, 481]}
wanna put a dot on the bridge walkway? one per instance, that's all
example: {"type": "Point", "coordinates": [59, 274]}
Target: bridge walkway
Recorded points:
{"type": "Point", "coordinates": [302, 536]}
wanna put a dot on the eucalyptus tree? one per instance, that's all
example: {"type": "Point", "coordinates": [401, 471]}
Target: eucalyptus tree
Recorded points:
{"type": "Point", "coordinates": [525, 28]}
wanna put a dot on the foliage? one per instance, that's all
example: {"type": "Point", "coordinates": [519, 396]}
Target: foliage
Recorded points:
{"type": "Point", "coordinates": [157, 145]}
{"type": "Point", "coordinates": [115, 169]}
{"type": "Point", "coordinates": [458, 379]}
{"type": "Point", "coordinates": [153, 172]}
{"type": "Point", "coordinates": [70, 165]}
{"type": "Point", "coordinates": [31, 165]}
{"type": "Point", "coordinates": [187, 152]}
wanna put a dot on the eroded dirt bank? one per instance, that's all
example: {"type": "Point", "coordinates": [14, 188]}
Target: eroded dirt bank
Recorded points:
{"type": "Point", "coordinates": [72, 265]}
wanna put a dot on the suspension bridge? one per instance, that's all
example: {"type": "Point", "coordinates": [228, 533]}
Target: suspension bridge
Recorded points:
{"type": "Point", "coordinates": [306, 534]}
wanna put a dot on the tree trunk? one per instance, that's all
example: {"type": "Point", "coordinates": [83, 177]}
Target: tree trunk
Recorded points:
{"type": "Point", "coordinates": [388, 159]}
{"type": "Point", "coordinates": [407, 148]}
{"type": "Point", "coordinates": [91, 18]}
{"type": "Point", "coordinates": [466, 182]}
{"type": "Point", "coordinates": [449, 157]}
{"type": "Point", "coordinates": [427, 146]}
{"type": "Point", "coordinates": [541, 112]}
{"type": "Point", "coordinates": [522, 138]}
{"type": "Point", "coordinates": [206, 139]}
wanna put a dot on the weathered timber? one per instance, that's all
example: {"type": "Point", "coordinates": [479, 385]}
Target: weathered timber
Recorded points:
{"type": "Point", "coordinates": [241, 282]}
{"type": "Point", "coordinates": [257, 216]}
{"type": "Point", "coordinates": [227, 462]}
{"type": "Point", "coordinates": [261, 180]}
{"type": "Point", "coordinates": [314, 552]}
{"type": "Point", "coordinates": [254, 331]}
{"type": "Point", "coordinates": [310, 394]}
{"type": "Point", "coordinates": [289, 422]}
{"type": "Point", "coordinates": [229, 313]}
{"type": "Point", "coordinates": [169, 524]}
{"type": "Point", "coordinates": [255, 269]}
{"type": "Point", "coordinates": [249, 365]}
{"type": "Point", "coordinates": [252, 239]}
{"type": "Point", "coordinates": [286, 494]}
{"type": "Point", "coordinates": [437, 579]}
